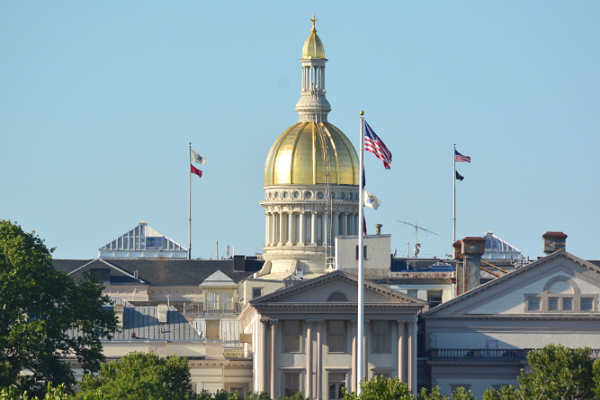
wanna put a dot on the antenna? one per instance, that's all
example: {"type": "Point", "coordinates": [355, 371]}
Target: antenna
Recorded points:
{"type": "Point", "coordinates": [417, 243]}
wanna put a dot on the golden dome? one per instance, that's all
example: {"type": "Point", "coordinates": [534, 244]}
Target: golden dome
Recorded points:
{"type": "Point", "coordinates": [296, 157]}
{"type": "Point", "coordinates": [313, 47]}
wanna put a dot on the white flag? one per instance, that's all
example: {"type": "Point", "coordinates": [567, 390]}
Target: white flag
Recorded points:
{"type": "Point", "coordinates": [197, 159]}
{"type": "Point", "coordinates": [371, 201]}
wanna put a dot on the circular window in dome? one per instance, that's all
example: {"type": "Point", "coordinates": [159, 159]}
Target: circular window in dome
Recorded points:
{"type": "Point", "coordinates": [307, 195]}
{"type": "Point", "coordinates": [332, 195]}
{"type": "Point", "coordinates": [342, 195]}
{"type": "Point", "coordinates": [276, 195]}
{"type": "Point", "coordinates": [268, 195]}
{"type": "Point", "coordinates": [296, 195]}
{"type": "Point", "coordinates": [286, 195]}
{"type": "Point", "coordinates": [320, 195]}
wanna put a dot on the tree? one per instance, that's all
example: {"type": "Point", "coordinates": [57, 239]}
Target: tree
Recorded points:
{"type": "Point", "coordinates": [139, 376]}
{"type": "Point", "coordinates": [39, 306]}
{"type": "Point", "coordinates": [596, 377]}
{"type": "Point", "coordinates": [381, 388]}
{"type": "Point", "coordinates": [556, 372]}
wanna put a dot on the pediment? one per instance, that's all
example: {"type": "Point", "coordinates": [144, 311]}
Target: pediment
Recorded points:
{"type": "Point", "coordinates": [105, 268]}
{"type": "Point", "coordinates": [507, 295]}
{"type": "Point", "coordinates": [333, 287]}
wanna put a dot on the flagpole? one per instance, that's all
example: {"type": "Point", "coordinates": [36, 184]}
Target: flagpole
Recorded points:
{"type": "Point", "coordinates": [361, 275]}
{"type": "Point", "coordinates": [190, 209]}
{"type": "Point", "coordinates": [454, 198]}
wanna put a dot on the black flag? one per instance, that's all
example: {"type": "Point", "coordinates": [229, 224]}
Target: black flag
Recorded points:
{"type": "Point", "coordinates": [459, 176]}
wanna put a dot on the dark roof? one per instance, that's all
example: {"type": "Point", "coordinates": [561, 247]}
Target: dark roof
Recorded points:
{"type": "Point", "coordinates": [155, 271]}
{"type": "Point", "coordinates": [418, 264]}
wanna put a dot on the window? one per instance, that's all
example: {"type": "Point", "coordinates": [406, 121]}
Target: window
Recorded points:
{"type": "Point", "coordinates": [434, 297]}
{"type": "Point", "coordinates": [292, 337]}
{"type": "Point", "coordinates": [291, 384]}
{"type": "Point", "coordinates": [567, 304]}
{"type": "Point", "coordinates": [336, 382]}
{"type": "Point", "coordinates": [239, 390]}
{"type": "Point", "coordinates": [381, 337]}
{"type": "Point", "coordinates": [533, 303]}
{"type": "Point", "coordinates": [552, 303]}
{"type": "Point", "coordinates": [587, 304]}
{"type": "Point", "coordinates": [227, 301]}
{"type": "Point", "coordinates": [337, 330]}
{"type": "Point", "coordinates": [364, 252]}
{"type": "Point", "coordinates": [256, 292]}
{"type": "Point", "coordinates": [212, 301]}
{"type": "Point", "coordinates": [412, 292]}
{"type": "Point", "coordinates": [337, 296]}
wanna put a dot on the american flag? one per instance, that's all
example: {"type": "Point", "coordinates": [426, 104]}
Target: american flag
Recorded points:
{"type": "Point", "coordinates": [377, 147]}
{"type": "Point", "coordinates": [460, 158]}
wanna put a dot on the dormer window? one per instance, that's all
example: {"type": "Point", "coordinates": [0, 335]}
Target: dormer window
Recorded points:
{"type": "Point", "coordinates": [561, 295]}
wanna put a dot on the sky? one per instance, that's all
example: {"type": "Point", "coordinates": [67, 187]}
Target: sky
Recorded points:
{"type": "Point", "coordinates": [100, 100]}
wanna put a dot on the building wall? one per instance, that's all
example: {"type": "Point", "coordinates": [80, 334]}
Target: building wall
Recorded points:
{"type": "Point", "coordinates": [378, 258]}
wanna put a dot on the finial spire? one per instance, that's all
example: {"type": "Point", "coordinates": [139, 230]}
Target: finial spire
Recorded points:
{"type": "Point", "coordinates": [313, 21]}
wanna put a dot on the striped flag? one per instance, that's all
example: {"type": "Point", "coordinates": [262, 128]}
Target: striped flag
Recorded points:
{"type": "Point", "coordinates": [460, 158]}
{"type": "Point", "coordinates": [377, 147]}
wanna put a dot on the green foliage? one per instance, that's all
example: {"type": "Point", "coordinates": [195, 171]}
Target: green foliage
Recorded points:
{"type": "Point", "coordinates": [557, 372]}
{"type": "Point", "coordinates": [596, 377]}
{"type": "Point", "coordinates": [140, 376]}
{"type": "Point", "coordinates": [38, 305]}
{"type": "Point", "coordinates": [505, 393]}
{"type": "Point", "coordinates": [11, 393]}
{"type": "Point", "coordinates": [460, 393]}
{"type": "Point", "coordinates": [381, 388]}
{"type": "Point", "coordinates": [436, 394]}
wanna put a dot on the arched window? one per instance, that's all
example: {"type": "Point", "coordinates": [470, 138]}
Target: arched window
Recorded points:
{"type": "Point", "coordinates": [337, 296]}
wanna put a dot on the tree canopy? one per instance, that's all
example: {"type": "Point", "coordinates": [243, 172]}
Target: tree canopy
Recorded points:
{"type": "Point", "coordinates": [139, 376]}
{"type": "Point", "coordinates": [45, 317]}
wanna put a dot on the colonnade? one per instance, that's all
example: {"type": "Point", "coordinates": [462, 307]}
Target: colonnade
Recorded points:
{"type": "Point", "coordinates": [406, 366]}
{"type": "Point", "coordinates": [287, 228]}
{"type": "Point", "coordinates": [313, 77]}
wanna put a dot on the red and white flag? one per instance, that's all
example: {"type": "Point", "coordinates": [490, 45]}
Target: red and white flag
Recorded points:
{"type": "Point", "coordinates": [377, 147]}
{"type": "Point", "coordinates": [196, 171]}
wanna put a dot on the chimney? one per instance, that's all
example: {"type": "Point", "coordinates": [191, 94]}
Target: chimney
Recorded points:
{"type": "Point", "coordinates": [472, 248]}
{"type": "Point", "coordinates": [554, 241]}
{"type": "Point", "coordinates": [162, 312]}
{"type": "Point", "coordinates": [120, 314]}
{"type": "Point", "coordinates": [378, 229]}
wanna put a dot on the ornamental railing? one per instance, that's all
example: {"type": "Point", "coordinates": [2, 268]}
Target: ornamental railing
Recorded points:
{"type": "Point", "coordinates": [486, 354]}
{"type": "Point", "coordinates": [209, 308]}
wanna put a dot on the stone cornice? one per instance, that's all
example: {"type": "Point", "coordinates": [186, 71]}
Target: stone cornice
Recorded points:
{"type": "Point", "coordinates": [525, 317]}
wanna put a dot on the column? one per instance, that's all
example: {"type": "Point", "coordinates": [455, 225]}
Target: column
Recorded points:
{"type": "Point", "coordinates": [319, 367]}
{"type": "Point", "coordinates": [401, 339]}
{"type": "Point", "coordinates": [323, 77]}
{"type": "Point", "coordinates": [344, 224]}
{"type": "Point", "coordinates": [267, 221]}
{"type": "Point", "coordinates": [325, 230]}
{"type": "Point", "coordinates": [302, 229]}
{"type": "Point", "coordinates": [265, 364]}
{"type": "Point", "coordinates": [273, 326]}
{"type": "Point", "coordinates": [290, 240]}
{"type": "Point", "coordinates": [281, 228]}
{"type": "Point", "coordinates": [273, 229]}
{"type": "Point", "coordinates": [412, 357]}
{"type": "Point", "coordinates": [335, 225]}
{"type": "Point", "coordinates": [354, 346]}
{"type": "Point", "coordinates": [308, 392]}
{"type": "Point", "coordinates": [313, 221]}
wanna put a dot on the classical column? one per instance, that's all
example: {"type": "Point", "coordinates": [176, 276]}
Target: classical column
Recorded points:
{"type": "Point", "coordinates": [281, 228]}
{"type": "Point", "coordinates": [273, 238]}
{"type": "Point", "coordinates": [412, 357]}
{"type": "Point", "coordinates": [309, 393]}
{"type": "Point", "coordinates": [354, 344]}
{"type": "Point", "coordinates": [325, 229]}
{"type": "Point", "coordinates": [273, 357]}
{"type": "Point", "coordinates": [267, 220]}
{"type": "Point", "coordinates": [319, 351]}
{"type": "Point", "coordinates": [313, 224]}
{"type": "Point", "coordinates": [335, 225]}
{"type": "Point", "coordinates": [302, 229]}
{"type": "Point", "coordinates": [290, 240]}
{"type": "Point", "coordinates": [265, 364]}
{"type": "Point", "coordinates": [344, 224]}
{"type": "Point", "coordinates": [401, 339]}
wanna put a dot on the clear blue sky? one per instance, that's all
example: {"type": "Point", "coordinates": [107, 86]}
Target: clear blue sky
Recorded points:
{"type": "Point", "coordinates": [99, 100]}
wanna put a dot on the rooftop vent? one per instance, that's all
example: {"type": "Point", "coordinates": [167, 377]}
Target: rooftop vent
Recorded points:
{"type": "Point", "coordinates": [554, 241]}
{"type": "Point", "coordinates": [162, 311]}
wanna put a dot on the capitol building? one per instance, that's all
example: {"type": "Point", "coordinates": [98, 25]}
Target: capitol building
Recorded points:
{"type": "Point", "coordinates": [311, 181]}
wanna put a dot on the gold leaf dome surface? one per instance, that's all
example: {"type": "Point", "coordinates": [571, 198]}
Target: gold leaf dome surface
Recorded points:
{"type": "Point", "coordinates": [313, 47]}
{"type": "Point", "coordinates": [297, 156]}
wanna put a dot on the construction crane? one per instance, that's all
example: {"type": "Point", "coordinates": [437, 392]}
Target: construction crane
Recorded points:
{"type": "Point", "coordinates": [417, 243]}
